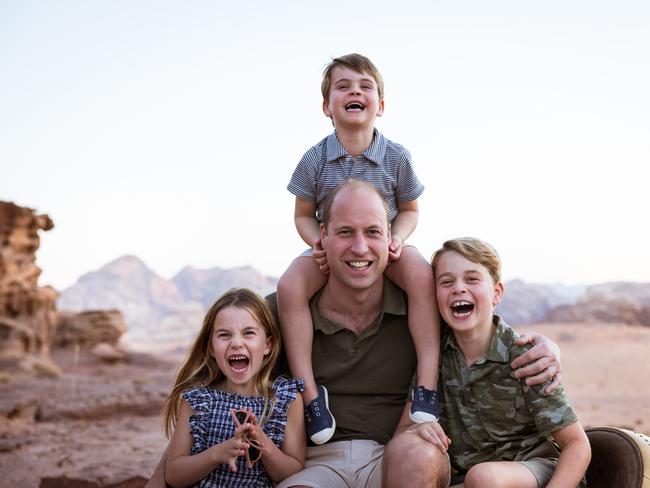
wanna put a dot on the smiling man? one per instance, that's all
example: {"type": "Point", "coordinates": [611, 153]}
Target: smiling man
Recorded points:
{"type": "Point", "coordinates": [362, 350]}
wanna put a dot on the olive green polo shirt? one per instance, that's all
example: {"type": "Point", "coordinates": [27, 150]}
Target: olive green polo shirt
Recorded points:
{"type": "Point", "coordinates": [489, 414]}
{"type": "Point", "coordinates": [367, 376]}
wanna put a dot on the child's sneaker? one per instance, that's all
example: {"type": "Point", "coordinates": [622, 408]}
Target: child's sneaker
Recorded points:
{"type": "Point", "coordinates": [425, 406]}
{"type": "Point", "coordinates": [320, 421]}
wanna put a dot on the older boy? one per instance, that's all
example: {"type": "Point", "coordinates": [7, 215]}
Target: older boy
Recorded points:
{"type": "Point", "coordinates": [499, 426]}
{"type": "Point", "coordinates": [353, 97]}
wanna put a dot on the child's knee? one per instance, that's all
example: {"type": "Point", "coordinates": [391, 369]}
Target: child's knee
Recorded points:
{"type": "Point", "coordinates": [420, 281]}
{"type": "Point", "coordinates": [481, 475]}
{"type": "Point", "coordinates": [291, 287]}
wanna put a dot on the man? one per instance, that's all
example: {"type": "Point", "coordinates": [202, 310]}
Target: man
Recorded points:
{"type": "Point", "coordinates": [363, 353]}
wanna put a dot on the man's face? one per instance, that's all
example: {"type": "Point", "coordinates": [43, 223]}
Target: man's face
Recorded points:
{"type": "Point", "coordinates": [356, 238]}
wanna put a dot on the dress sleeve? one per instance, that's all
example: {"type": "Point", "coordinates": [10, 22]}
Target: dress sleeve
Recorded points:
{"type": "Point", "coordinates": [286, 391]}
{"type": "Point", "coordinates": [201, 402]}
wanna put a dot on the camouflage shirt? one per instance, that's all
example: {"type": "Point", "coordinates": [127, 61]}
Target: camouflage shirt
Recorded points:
{"type": "Point", "coordinates": [488, 414]}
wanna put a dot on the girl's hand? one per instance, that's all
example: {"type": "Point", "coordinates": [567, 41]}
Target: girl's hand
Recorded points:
{"type": "Point", "coordinates": [319, 255]}
{"type": "Point", "coordinates": [256, 437]}
{"type": "Point", "coordinates": [229, 450]}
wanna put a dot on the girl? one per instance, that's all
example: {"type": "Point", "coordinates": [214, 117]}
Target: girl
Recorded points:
{"type": "Point", "coordinates": [224, 410]}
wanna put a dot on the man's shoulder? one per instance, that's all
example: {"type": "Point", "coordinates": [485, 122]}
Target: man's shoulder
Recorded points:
{"type": "Point", "coordinates": [272, 302]}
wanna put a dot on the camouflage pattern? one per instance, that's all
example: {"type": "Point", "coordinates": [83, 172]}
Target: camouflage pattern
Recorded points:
{"type": "Point", "coordinates": [489, 414]}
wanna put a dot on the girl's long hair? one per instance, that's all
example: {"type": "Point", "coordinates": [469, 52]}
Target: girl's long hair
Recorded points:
{"type": "Point", "coordinates": [200, 368]}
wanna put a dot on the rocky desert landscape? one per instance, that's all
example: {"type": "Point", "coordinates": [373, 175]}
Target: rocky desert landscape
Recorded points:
{"type": "Point", "coordinates": [97, 423]}
{"type": "Point", "coordinates": [80, 406]}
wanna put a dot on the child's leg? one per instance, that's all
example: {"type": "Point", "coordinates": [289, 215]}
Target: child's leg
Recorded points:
{"type": "Point", "coordinates": [297, 285]}
{"type": "Point", "coordinates": [413, 274]}
{"type": "Point", "coordinates": [504, 474]}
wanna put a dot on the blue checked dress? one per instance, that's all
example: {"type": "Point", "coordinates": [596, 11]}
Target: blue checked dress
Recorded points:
{"type": "Point", "coordinates": [212, 424]}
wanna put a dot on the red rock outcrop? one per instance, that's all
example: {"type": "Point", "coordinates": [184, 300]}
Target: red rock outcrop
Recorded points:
{"type": "Point", "coordinates": [27, 311]}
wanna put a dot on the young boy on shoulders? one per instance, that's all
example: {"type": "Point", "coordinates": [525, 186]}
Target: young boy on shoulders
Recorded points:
{"type": "Point", "coordinates": [500, 427]}
{"type": "Point", "coordinates": [353, 97]}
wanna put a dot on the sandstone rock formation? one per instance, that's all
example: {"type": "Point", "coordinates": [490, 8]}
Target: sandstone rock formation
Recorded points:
{"type": "Point", "coordinates": [89, 328]}
{"type": "Point", "coordinates": [27, 311]}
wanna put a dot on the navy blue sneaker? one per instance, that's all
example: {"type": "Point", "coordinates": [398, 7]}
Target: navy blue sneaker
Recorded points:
{"type": "Point", "coordinates": [320, 421]}
{"type": "Point", "coordinates": [425, 406]}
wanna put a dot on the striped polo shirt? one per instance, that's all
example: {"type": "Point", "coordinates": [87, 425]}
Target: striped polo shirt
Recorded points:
{"type": "Point", "coordinates": [385, 164]}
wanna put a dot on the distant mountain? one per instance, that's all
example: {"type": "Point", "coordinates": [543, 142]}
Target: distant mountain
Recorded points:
{"type": "Point", "coordinates": [527, 303]}
{"type": "Point", "coordinates": [155, 309]}
{"type": "Point", "coordinates": [619, 302]}
{"type": "Point", "coordinates": [205, 285]}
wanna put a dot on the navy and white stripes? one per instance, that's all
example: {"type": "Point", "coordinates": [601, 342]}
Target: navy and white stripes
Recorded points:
{"type": "Point", "coordinates": [385, 164]}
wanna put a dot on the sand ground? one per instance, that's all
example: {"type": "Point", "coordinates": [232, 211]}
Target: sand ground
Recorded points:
{"type": "Point", "coordinates": [98, 425]}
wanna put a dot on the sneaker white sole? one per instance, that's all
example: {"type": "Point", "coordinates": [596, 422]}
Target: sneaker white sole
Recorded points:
{"type": "Point", "coordinates": [322, 436]}
{"type": "Point", "coordinates": [422, 417]}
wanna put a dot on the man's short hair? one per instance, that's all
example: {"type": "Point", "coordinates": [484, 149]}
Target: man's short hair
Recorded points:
{"type": "Point", "coordinates": [352, 183]}
{"type": "Point", "coordinates": [355, 62]}
{"type": "Point", "coordinates": [474, 250]}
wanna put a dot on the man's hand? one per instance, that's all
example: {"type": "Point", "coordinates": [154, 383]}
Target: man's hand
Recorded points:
{"type": "Point", "coordinates": [395, 248]}
{"type": "Point", "coordinates": [319, 255]}
{"type": "Point", "coordinates": [431, 432]}
{"type": "Point", "coordinates": [539, 364]}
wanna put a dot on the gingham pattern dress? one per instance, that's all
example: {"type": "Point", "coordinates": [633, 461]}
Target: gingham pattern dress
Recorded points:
{"type": "Point", "coordinates": [212, 424]}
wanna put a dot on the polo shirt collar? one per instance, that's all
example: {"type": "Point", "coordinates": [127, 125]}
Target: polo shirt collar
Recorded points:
{"type": "Point", "coordinates": [498, 351]}
{"type": "Point", "coordinates": [393, 302]}
{"type": "Point", "coordinates": [375, 152]}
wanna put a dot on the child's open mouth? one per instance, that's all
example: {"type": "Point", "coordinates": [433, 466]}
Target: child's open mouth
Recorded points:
{"type": "Point", "coordinates": [238, 363]}
{"type": "Point", "coordinates": [354, 107]}
{"type": "Point", "coordinates": [461, 308]}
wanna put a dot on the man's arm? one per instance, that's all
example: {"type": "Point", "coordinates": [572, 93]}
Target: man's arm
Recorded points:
{"type": "Point", "coordinates": [541, 363]}
{"type": "Point", "coordinates": [404, 225]}
{"type": "Point", "coordinates": [304, 216]}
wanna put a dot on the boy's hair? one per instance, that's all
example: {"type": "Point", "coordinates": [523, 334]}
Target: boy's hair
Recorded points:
{"type": "Point", "coordinates": [475, 250]}
{"type": "Point", "coordinates": [355, 62]}
{"type": "Point", "coordinates": [350, 183]}
{"type": "Point", "coordinates": [200, 367]}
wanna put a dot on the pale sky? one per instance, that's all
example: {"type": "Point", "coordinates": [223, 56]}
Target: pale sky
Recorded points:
{"type": "Point", "coordinates": [169, 130]}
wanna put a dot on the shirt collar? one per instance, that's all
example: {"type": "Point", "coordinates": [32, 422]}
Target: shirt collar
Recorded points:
{"type": "Point", "coordinates": [375, 152]}
{"type": "Point", "coordinates": [393, 302]}
{"type": "Point", "coordinates": [497, 352]}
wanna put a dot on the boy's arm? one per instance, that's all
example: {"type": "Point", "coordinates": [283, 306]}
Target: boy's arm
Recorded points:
{"type": "Point", "coordinates": [308, 227]}
{"type": "Point", "coordinates": [304, 216]}
{"type": "Point", "coordinates": [574, 458]}
{"type": "Point", "coordinates": [541, 363]}
{"type": "Point", "coordinates": [403, 227]}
